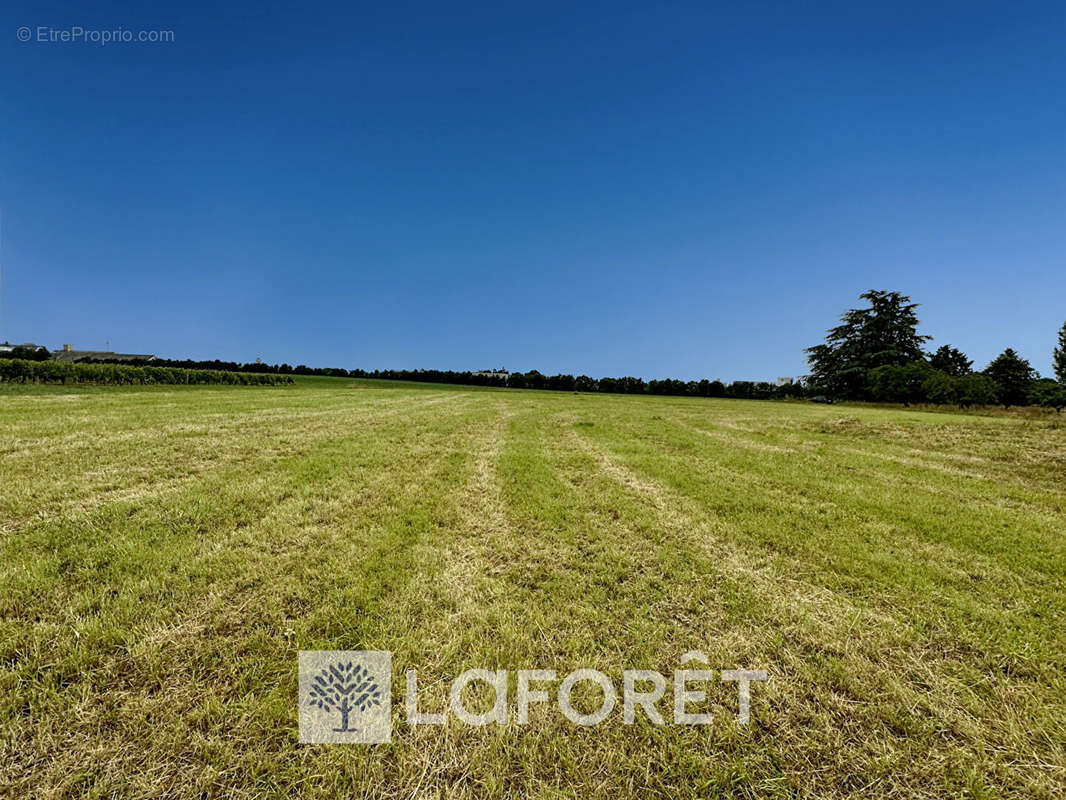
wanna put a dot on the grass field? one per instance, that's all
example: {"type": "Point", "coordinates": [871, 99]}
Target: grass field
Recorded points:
{"type": "Point", "coordinates": [167, 551]}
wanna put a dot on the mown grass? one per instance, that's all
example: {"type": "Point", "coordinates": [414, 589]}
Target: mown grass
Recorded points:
{"type": "Point", "coordinates": [166, 551]}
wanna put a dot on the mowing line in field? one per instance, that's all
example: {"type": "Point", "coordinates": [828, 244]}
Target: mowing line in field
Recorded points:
{"type": "Point", "coordinates": [949, 692]}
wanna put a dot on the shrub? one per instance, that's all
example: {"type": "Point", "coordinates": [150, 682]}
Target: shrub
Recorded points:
{"type": "Point", "coordinates": [941, 388]}
{"type": "Point", "coordinates": [977, 390]}
{"type": "Point", "coordinates": [1049, 394]}
{"type": "Point", "coordinates": [895, 384]}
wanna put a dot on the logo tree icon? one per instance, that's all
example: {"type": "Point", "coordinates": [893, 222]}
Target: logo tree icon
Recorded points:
{"type": "Point", "coordinates": [346, 687]}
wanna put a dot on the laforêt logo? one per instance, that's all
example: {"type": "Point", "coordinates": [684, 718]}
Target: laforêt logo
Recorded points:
{"type": "Point", "coordinates": [345, 696]}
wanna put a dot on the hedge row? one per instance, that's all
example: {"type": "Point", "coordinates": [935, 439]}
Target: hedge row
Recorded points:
{"type": "Point", "coordinates": [20, 371]}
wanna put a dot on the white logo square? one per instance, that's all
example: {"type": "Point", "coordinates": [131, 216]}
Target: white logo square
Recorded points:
{"type": "Point", "coordinates": [345, 696]}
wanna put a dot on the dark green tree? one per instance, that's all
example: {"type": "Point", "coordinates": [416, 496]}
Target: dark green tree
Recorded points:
{"type": "Point", "coordinates": [976, 389]}
{"type": "Point", "coordinates": [883, 334]}
{"type": "Point", "coordinates": [560, 383]}
{"type": "Point", "coordinates": [941, 388]}
{"type": "Point", "coordinates": [583, 383]}
{"type": "Point", "coordinates": [1014, 375]}
{"type": "Point", "coordinates": [30, 353]}
{"type": "Point", "coordinates": [896, 384]}
{"type": "Point", "coordinates": [951, 361]}
{"type": "Point", "coordinates": [1049, 394]}
{"type": "Point", "coordinates": [1059, 357]}
{"type": "Point", "coordinates": [535, 380]}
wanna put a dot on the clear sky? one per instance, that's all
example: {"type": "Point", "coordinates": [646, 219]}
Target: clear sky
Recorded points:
{"type": "Point", "coordinates": [657, 189]}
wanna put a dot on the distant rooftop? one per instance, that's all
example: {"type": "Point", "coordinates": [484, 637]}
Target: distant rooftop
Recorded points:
{"type": "Point", "coordinates": [69, 354]}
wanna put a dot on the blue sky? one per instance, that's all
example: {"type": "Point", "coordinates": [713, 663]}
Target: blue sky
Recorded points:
{"type": "Point", "coordinates": [660, 189]}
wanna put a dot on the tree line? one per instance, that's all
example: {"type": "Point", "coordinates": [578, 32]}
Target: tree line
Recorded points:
{"type": "Point", "coordinates": [27, 371]}
{"type": "Point", "coordinates": [743, 390]}
{"type": "Point", "coordinates": [877, 354]}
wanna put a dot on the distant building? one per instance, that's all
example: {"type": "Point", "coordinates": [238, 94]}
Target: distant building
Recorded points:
{"type": "Point", "coordinates": [69, 354]}
{"type": "Point", "coordinates": [784, 381]}
{"type": "Point", "coordinates": [7, 347]}
{"type": "Point", "coordinates": [499, 374]}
